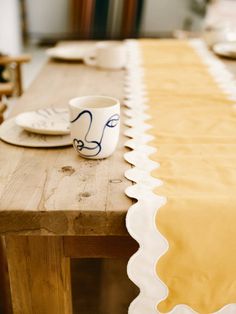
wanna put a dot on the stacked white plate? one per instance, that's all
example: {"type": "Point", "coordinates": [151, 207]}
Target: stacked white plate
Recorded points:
{"type": "Point", "coordinates": [225, 49]}
{"type": "Point", "coordinates": [48, 127]}
{"type": "Point", "coordinates": [70, 52]}
{"type": "Point", "coordinates": [49, 121]}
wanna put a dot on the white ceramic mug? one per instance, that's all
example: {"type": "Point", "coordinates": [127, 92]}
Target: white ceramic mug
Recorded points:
{"type": "Point", "coordinates": [107, 55]}
{"type": "Point", "coordinates": [95, 125]}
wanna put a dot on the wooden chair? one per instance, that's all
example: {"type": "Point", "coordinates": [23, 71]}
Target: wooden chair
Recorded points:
{"type": "Point", "coordinates": [15, 62]}
{"type": "Point", "coordinates": [13, 88]}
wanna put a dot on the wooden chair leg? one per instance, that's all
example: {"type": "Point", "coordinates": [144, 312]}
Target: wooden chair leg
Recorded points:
{"type": "Point", "coordinates": [19, 80]}
{"type": "Point", "coordinates": [3, 108]}
{"type": "Point", "coordinates": [5, 294]}
{"type": "Point", "coordinates": [39, 275]}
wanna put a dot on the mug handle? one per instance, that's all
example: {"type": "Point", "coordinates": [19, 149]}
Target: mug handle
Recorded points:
{"type": "Point", "coordinates": [90, 60]}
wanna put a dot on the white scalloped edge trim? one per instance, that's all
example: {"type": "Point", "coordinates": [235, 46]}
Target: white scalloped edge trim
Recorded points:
{"type": "Point", "coordinates": [140, 219]}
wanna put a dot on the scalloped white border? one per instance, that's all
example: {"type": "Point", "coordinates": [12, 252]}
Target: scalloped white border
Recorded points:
{"type": "Point", "coordinates": [140, 220]}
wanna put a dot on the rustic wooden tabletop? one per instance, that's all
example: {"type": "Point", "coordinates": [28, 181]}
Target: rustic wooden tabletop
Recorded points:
{"type": "Point", "coordinates": [54, 191]}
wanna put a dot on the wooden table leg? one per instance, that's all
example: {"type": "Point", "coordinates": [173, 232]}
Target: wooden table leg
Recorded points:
{"type": "Point", "coordinates": [5, 295]}
{"type": "Point", "coordinates": [39, 275]}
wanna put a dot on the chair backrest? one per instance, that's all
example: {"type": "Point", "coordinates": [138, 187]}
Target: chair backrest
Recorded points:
{"type": "Point", "coordinates": [14, 87]}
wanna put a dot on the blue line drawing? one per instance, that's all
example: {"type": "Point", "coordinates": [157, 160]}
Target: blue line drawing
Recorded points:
{"type": "Point", "coordinates": [81, 144]}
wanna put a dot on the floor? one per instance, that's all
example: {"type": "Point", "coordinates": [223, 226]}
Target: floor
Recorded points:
{"type": "Point", "coordinates": [31, 69]}
{"type": "Point", "coordinates": [101, 286]}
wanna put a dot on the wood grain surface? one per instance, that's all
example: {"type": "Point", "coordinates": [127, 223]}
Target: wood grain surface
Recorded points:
{"type": "Point", "coordinates": [54, 191]}
{"type": "Point", "coordinates": [39, 275]}
{"type": "Point", "coordinates": [5, 294]}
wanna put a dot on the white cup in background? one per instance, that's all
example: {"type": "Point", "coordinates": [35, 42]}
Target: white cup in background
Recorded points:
{"type": "Point", "coordinates": [95, 125]}
{"type": "Point", "coordinates": [107, 55]}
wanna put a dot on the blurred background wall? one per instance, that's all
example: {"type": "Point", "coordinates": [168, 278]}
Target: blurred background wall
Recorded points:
{"type": "Point", "coordinates": [47, 21]}
{"type": "Point", "coordinates": [10, 26]}
{"type": "Point", "coordinates": [161, 18]}
{"type": "Point", "coordinates": [100, 19]}
{"type": "Point", "coordinates": [47, 18]}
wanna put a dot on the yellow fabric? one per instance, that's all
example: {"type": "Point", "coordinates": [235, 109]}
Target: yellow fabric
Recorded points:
{"type": "Point", "coordinates": [194, 125]}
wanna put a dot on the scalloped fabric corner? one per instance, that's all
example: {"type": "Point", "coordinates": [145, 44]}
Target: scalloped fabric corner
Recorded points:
{"type": "Point", "coordinates": [181, 113]}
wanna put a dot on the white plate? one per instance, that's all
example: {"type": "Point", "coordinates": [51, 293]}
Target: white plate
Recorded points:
{"type": "Point", "coordinates": [13, 134]}
{"type": "Point", "coordinates": [49, 121]}
{"type": "Point", "coordinates": [225, 49]}
{"type": "Point", "coordinates": [69, 52]}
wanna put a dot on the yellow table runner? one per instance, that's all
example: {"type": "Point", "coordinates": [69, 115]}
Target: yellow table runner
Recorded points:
{"type": "Point", "coordinates": [194, 125]}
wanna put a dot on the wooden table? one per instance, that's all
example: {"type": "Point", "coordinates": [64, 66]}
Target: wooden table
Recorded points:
{"type": "Point", "coordinates": [55, 205]}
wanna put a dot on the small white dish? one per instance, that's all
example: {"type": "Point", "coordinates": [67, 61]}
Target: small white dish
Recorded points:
{"type": "Point", "coordinates": [48, 121]}
{"type": "Point", "coordinates": [225, 49]}
{"type": "Point", "coordinates": [69, 52]}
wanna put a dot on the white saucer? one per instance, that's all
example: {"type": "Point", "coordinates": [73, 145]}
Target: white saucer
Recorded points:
{"type": "Point", "coordinates": [69, 52]}
{"type": "Point", "coordinates": [49, 121]}
{"type": "Point", "coordinates": [13, 134]}
{"type": "Point", "coordinates": [225, 49]}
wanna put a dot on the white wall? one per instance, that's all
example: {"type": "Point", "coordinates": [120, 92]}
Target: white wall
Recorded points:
{"type": "Point", "coordinates": [48, 17]}
{"type": "Point", "coordinates": [163, 16]}
{"type": "Point", "coordinates": [10, 31]}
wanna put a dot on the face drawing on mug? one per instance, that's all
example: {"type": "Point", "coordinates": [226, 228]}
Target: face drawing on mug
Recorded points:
{"type": "Point", "coordinates": [91, 148]}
